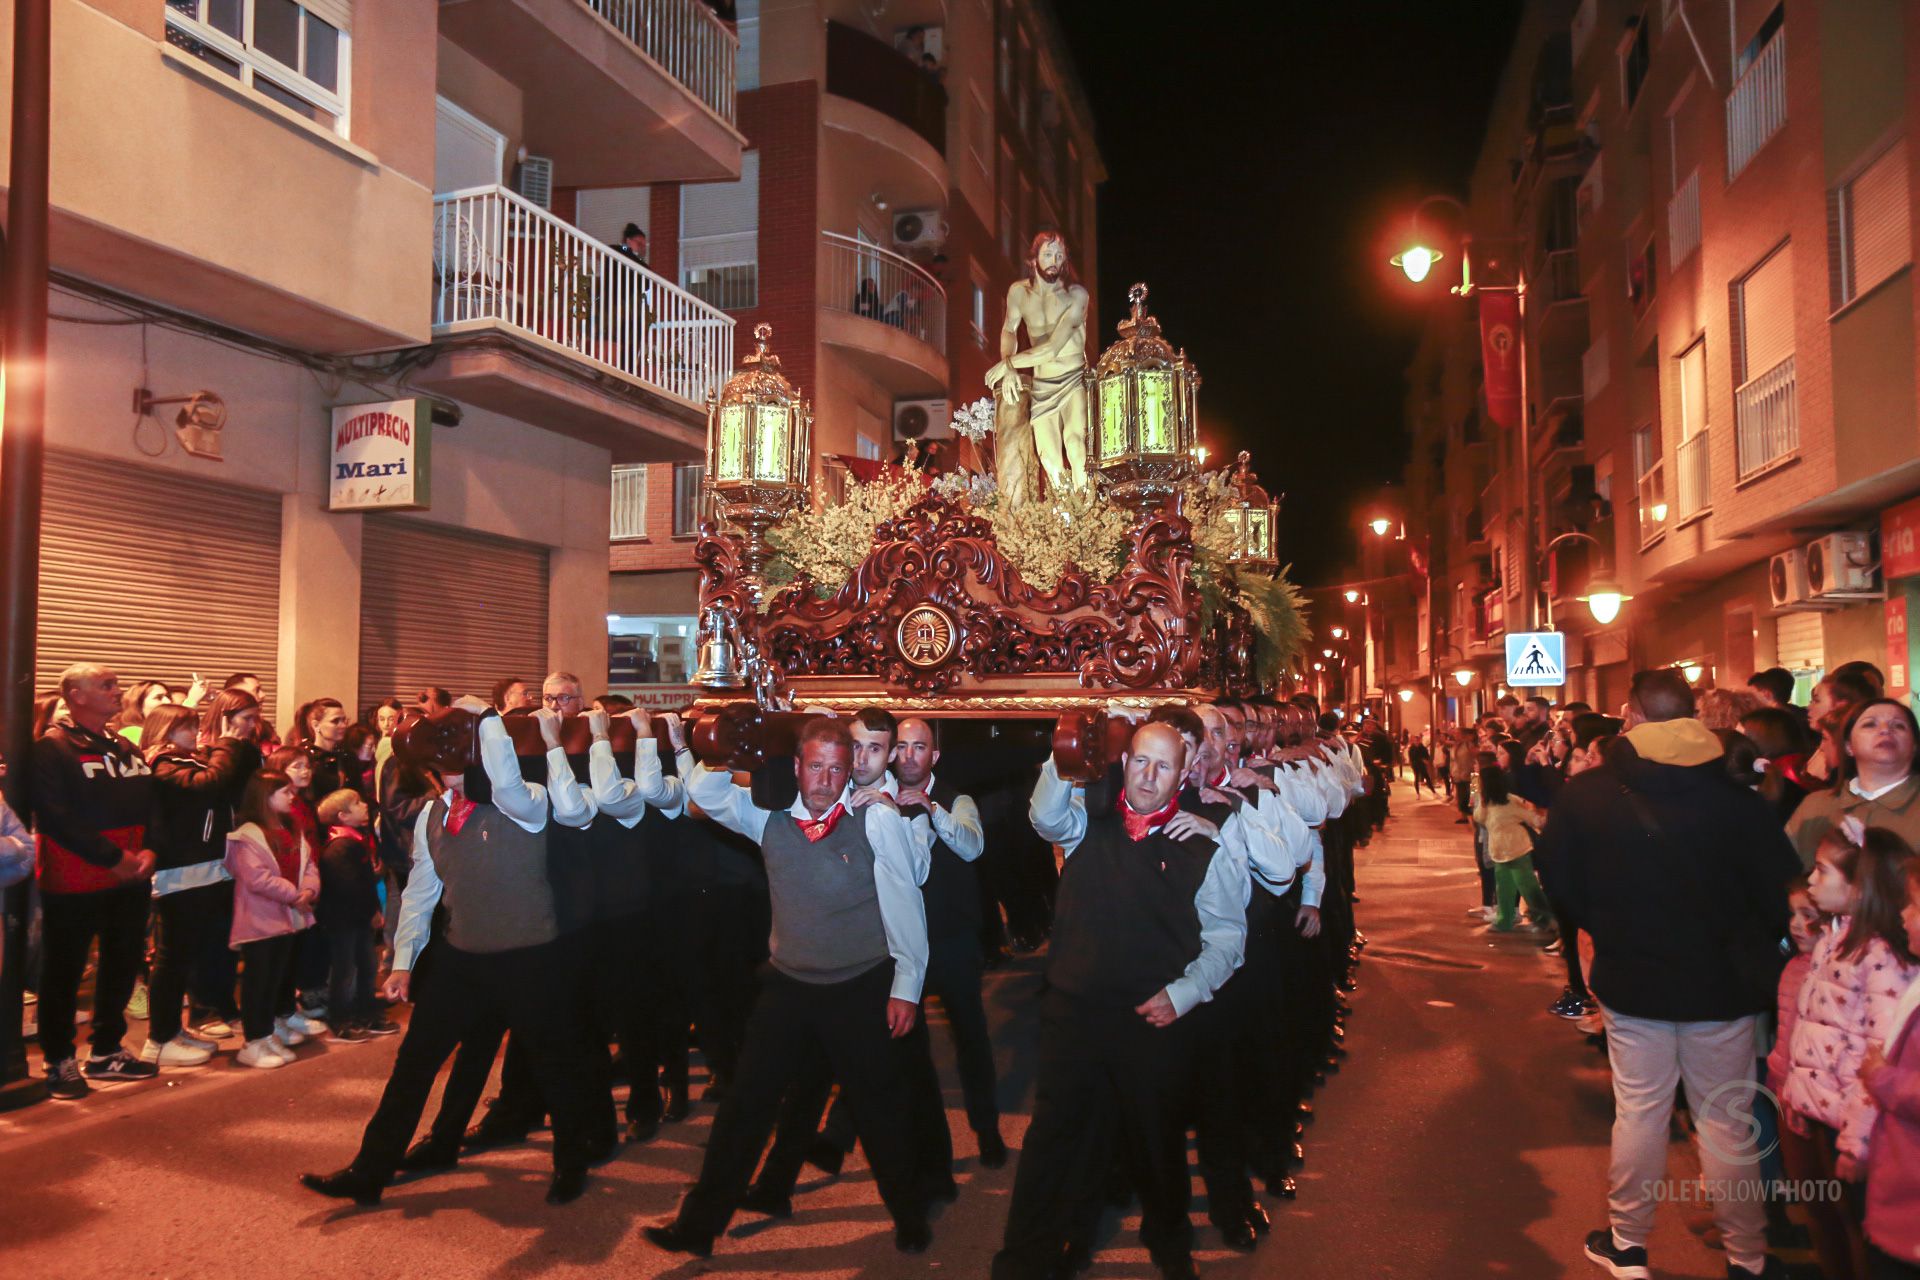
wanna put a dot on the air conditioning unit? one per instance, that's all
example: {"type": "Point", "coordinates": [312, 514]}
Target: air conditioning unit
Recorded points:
{"type": "Point", "coordinates": [922, 420]}
{"type": "Point", "coordinates": [533, 179]}
{"type": "Point", "coordinates": [1840, 567]}
{"type": "Point", "coordinates": [1787, 579]}
{"type": "Point", "coordinates": [919, 229]}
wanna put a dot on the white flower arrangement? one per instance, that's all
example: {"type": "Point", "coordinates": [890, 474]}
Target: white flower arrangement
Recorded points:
{"type": "Point", "coordinates": [975, 421]}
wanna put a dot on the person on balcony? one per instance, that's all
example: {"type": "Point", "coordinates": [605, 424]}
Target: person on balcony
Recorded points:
{"type": "Point", "coordinates": [633, 244]}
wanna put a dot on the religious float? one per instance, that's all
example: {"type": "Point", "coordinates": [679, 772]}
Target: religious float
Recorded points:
{"type": "Point", "coordinates": [1115, 575]}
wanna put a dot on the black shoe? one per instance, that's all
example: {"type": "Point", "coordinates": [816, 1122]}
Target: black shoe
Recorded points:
{"type": "Point", "coordinates": [346, 1184]}
{"type": "Point", "coordinates": [826, 1157]}
{"type": "Point", "coordinates": [119, 1065]}
{"type": "Point", "coordinates": [675, 1238]}
{"type": "Point", "coordinates": [642, 1130]}
{"type": "Point", "coordinates": [381, 1027]}
{"type": "Point", "coordinates": [65, 1082]}
{"type": "Point", "coordinates": [912, 1237]}
{"type": "Point", "coordinates": [1623, 1264]}
{"type": "Point", "coordinates": [1286, 1189]}
{"type": "Point", "coordinates": [1306, 1113]}
{"type": "Point", "coordinates": [1770, 1269]}
{"type": "Point", "coordinates": [1568, 1006]}
{"type": "Point", "coordinates": [1238, 1234]}
{"type": "Point", "coordinates": [1257, 1219]}
{"type": "Point", "coordinates": [567, 1186]}
{"type": "Point", "coordinates": [941, 1187]}
{"type": "Point", "coordinates": [676, 1108]}
{"type": "Point", "coordinates": [349, 1033]}
{"type": "Point", "coordinates": [993, 1151]}
{"type": "Point", "coordinates": [491, 1133]}
{"type": "Point", "coordinates": [428, 1156]}
{"type": "Point", "coordinates": [766, 1202]}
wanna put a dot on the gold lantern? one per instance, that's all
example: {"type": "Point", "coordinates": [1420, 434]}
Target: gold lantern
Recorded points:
{"type": "Point", "coordinates": [759, 437]}
{"type": "Point", "coordinates": [1253, 516]}
{"type": "Point", "coordinates": [1144, 410]}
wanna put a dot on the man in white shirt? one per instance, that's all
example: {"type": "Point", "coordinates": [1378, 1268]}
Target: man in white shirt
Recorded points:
{"type": "Point", "coordinates": [482, 848]}
{"type": "Point", "coordinates": [849, 956]}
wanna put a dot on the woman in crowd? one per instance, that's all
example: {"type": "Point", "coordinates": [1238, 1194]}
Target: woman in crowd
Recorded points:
{"type": "Point", "coordinates": [1876, 779]}
{"type": "Point", "coordinates": [359, 746]}
{"type": "Point", "coordinates": [1845, 687]}
{"type": "Point", "coordinates": [1891, 1073]}
{"type": "Point", "coordinates": [321, 727]}
{"type": "Point", "coordinates": [275, 885]}
{"type": "Point", "coordinates": [1781, 739]}
{"type": "Point", "coordinates": [1861, 970]}
{"type": "Point", "coordinates": [192, 890]}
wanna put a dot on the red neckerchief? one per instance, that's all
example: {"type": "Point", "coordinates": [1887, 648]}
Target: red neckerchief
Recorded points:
{"type": "Point", "coordinates": [1141, 825]}
{"type": "Point", "coordinates": [820, 828]}
{"type": "Point", "coordinates": [1220, 783]}
{"type": "Point", "coordinates": [459, 809]}
{"type": "Point", "coordinates": [1794, 769]}
{"type": "Point", "coordinates": [338, 832]}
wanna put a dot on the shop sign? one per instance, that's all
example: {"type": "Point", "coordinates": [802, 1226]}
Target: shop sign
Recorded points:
{"type": "Point", "coordinates": [1900, 541]}
{"type": "Point", "coordinates": [381, 456]}
{"type": "Point", "coordinates": [1899, 682]}
{"type": "Point", "coordinates": [655, 698]}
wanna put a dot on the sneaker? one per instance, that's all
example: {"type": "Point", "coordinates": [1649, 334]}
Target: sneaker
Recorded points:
{"type": "Point", "coordinates": [350, 1033]}
{"type": "Point", "coordinates": [260, 1053]}
{"type": "Point", "coordinates": [211, 1046]}
{"type": "Point", "coordinates": [282, 1051]}
{"type": "Point", "coordinates": [65, 1082]}
{"type": "Point", "coordinates": [119, 1065]}
{"type": "Point", "coordinates": [215, 1028]}
{"type": "Point", "coordinates": [314, 1009]}
{"type": "Point", "coordinates": [137, 1007]}
{"type": "Point", "coordinates": [1624, 1264]}
{"type": "Point", "coordinates": [1592, 1024]}
{"type": "Point", "coordinates": [1568, 1006]}
{"type": "Point", "coordinates": [307, 1024]}
{"type": "Point", "coordinates": [177, 1052]}
{"type": "Point", "coordinates": [381, 1027]}
{"type": "Point", "coordinates": [287, 1034]}
{"type": "Point", "coordinates": [1771, 1268]}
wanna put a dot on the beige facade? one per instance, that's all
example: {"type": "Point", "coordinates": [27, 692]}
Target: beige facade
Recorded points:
{"type": "Point", "coordinates": [225, 222]}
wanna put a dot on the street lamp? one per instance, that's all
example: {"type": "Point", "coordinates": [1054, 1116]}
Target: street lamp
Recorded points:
{"type": "Point", "coordinates": [1417, 260]}
{"type": "Point", "coordinates": [1463, 677]}
{"type": "Point", "coordinates": [1338, 633]}
{"type": "Point", "coordinates": [1353, 595]}
{"type": "Point", "coordinates": [1406, 695]}
{"type": "Point", "coordinates": [1603, 600]}
{"type": "Point", "coordinates": [1380, 525]}
{"type": "Point", "coordinates": [1692, 671]}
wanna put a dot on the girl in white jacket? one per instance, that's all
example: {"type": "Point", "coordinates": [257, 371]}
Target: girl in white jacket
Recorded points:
{"type": "Point", "coordinates": [275, 883]}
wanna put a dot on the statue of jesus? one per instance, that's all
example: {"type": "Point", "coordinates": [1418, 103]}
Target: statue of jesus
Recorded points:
{"type": "Point", "coordinates": [1040, 393]}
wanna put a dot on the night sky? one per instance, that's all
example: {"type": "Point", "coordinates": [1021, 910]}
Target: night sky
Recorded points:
{"type": "Point", "coordinates": [1254, 174]}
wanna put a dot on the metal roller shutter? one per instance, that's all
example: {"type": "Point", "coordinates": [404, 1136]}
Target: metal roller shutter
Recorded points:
{"type": "Point", "coordinates": [445, 607]}
{"type": "Point", "coordinates": [157, 575]}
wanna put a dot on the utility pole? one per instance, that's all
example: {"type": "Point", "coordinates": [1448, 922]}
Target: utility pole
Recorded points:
{"type": "Point", "coordinates": [22, 460]}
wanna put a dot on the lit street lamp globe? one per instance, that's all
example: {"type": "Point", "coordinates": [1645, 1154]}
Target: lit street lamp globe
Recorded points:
{"type": "Point", "coordinates": [1463, 677]}
{"type": "Point", "coordinates": [1417, 260]}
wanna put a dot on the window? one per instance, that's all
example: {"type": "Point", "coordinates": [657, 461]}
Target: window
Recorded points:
{"type": "Point", "coordinates": [1587, 198]}
{"type": "Point", "coordinates": [1758, 45]}
{"type": "Point", "coordinates": [1693, 390]}
{"type": "Point", "coordinates": [1633, 62]}
{"type": "Point", "coordinates": [689, 498]}
{"type": "Point", "coordinates": [1651, 482]}
{"type": "Point", "coordinates": [1641, 279]}
{"type": "Point", "coordinates": [1006, 232]}
{"type": "Point", "coordinates": [981, 141]}
{"type": "Point", "coordinates": [1763, 315]}
{"type": "Point", "coordinates": [978, 305]}
{"type": "Point", "coordinates": [720, 239]}
{"type": "Point", "coordinates": [630, 501]}
{"type": "Point", "coordinates": [746, 66]}
{"type": "Point", "coordinates": [295, 54]}
{"type": "Point", "coordinates": [1869, 226]}
{"type": "Point", "coordinates": [865, 446]}
{"type": "Point", "coordinates": [1693, 487]}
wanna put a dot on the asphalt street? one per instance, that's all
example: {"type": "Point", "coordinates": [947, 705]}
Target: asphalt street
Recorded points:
{"type": "Point", "coordinates": [1465, 1136]}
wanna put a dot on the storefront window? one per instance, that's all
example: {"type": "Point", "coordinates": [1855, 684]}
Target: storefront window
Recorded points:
{"type": "Point", "coordinates": [649, 650]}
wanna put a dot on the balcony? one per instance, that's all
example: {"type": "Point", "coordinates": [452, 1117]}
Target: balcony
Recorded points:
{"type": "Point", "coordinates": [1757, 107]}
{"type": "Point", "coordinates": [867, 70]}
{"type": "Point", "coordinates": [536, 320]}
{"type": "Point", "coordinates": [1766, 420]}
{"type": "Point", "coordinates": [616, 92]}
{"type": "Point", "coordinates": [1563, 322]}
{"type": "Point", "coordinates": [885, 311]}
{"type": "Point", "coordinates": [1683, 221]}
{"type": "Point", "coordinates": [1652, 495]}
{"type": "Point", "coordinates": [1694, 493]}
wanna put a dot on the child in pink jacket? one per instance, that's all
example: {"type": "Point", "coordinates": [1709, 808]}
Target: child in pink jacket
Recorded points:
{"type": "Point", "coordinates": [1803, 926]}
{"type": "Point", "coordinates": [1892, 1078]}
{"type": "Point", "coordinates": [1861, 969]}
{"type": "Point", "coordinates": [275, 884]}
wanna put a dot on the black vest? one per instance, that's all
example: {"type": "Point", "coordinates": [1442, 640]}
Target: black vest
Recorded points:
{"type": "Point", "coordinates": [952, 890]}
{"type": "Point", "coordinates": [1125, 924]}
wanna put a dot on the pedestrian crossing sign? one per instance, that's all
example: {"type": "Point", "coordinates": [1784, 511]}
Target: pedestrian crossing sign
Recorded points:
{"type": "Point", "coordinates": [1536, 659]}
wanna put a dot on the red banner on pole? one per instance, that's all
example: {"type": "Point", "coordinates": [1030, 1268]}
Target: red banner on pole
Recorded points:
{"type": "Point", "coordinates": [1500, 353]}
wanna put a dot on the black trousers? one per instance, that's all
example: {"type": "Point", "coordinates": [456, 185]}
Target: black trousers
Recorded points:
{"type": "Point", "coordinates": [467, 990]}
{"type": "Point", "coordinates": [190, 926]}
{"type": "Point", "coordinates": [264, 990]}
{"type": "Point", "coordinates": [1220, 1129]}
{"type": "Point", "coordinates": [621, 963]}
{"type": "Point", "coordinates": [69, 923]}
{"type": "Point", "coordinates": [954, 971]}
{"type": "Point", "coordinates": [351, 962]}
{"type": "Point", "coordinates": [797, 1030]}
{"type": "Point", "coordinates": [1107, 1081]}
{"type": "Point", "coordinates": [1263, 1086]}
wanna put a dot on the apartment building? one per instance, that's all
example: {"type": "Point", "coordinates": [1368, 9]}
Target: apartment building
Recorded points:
{"type": "Point", "coordinates": [1710, 200]}
{"type": "Point", "coordinates": [287, 232]}
{"type": "Point", "coordinates": [898, 163]}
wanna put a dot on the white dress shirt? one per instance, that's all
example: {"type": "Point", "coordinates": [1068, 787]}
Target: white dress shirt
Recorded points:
{"type": "Point", "coordinates": [1059, 814]}
{"type": "Point", "coordinates": [626, 799]}
{"type": "Point", "coordinates": [958, 828]}
{"type": "Point", "coordinates": [899, 864]}
{"type": "Point", "coordinates": [1308, 798]}
{"type": "Point", "coordinates": [526, 803]}
{"type": "Point", "coordinates": [1282, 843]}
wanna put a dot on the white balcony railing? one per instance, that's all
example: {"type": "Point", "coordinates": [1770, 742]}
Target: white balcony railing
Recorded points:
{"type": "Point", "coordinates": [1766, 418]}
{"type": "Point", "coordinates": [1757, 107]}
{"type": "Point", "coordinates": [883, 286]}
{"type": "Point", "coordinates": [1695, 491]}
{"type": "Point", "coordinates": [687, 40]}
{"type": "Point", "coordinates": [1683, 221]}
{"type": "Point", "coordinates": [1653, 502]}
{"type": "Point", "coordinates": [499, 261]}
